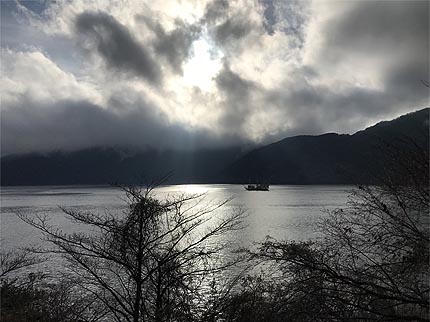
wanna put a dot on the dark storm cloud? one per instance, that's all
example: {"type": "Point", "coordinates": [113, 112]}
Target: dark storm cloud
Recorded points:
{"type": "Point", "coordinates": [376, 25]}
{"type": "Point", "coordinates": [288, 17]}
{"type": "Point", "coordinates": [269, 16]}
{"type": "Point", "coordinates": [316, 109]}
{"type": "Point", "coordinates": [225, 24]}
{"type": "Point", "coordinates": [175, 45]}
{"type": "Point", "coordinates": [392, 38]}
{"type": "Point", "coordinates": [215, 11]}
{"type": "Point", "coordinates": [72, 124]}
{"type": "Point", "coordinates": [395, 35]}
{"type": "Point", "coordinates": [232, 29]}
{"type": "Point", "coordinates": [236, 92]}
{"type": "Point", "coordinates": [398, 31]}
{"type": "Point", "coordinates": [117, 46]}
{"type": "Point", "coordinates": [408, 77]}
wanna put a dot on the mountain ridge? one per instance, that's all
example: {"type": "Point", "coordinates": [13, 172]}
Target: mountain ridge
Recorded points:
{"type": "Point", "coordinates": [328, 158]}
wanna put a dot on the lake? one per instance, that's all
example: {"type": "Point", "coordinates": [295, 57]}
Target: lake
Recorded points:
{"type": "Point", "coordinates": [285, 212]}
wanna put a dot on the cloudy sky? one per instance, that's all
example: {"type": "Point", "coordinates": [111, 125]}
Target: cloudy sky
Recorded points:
{"type": "Point", "coordinates": [193, 73]}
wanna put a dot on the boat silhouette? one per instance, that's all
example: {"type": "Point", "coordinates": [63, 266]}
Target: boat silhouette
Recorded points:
{"type": "Point", "coordinates": [257, 187]}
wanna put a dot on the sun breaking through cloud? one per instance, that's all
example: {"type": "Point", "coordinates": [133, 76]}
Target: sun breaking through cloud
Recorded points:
{"type": "Point", "coordinates": [190, 74]}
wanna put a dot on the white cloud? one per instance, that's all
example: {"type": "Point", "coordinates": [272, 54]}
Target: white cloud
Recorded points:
{"type": "Point", "coordinates": [261, 70]}
{"type": "Point", "coordinates": [33, 74]}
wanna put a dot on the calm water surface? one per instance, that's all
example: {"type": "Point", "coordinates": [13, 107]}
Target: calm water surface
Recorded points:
{"type": "Point", "coordinates": [285, 212]}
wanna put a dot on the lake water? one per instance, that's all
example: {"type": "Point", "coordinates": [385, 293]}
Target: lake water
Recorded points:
{"type": "Point", "coordinates": [284, 212]}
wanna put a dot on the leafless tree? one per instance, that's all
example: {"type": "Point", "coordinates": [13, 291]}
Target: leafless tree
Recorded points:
{"type": "Point", "coordinates": [151, 263]}
{"type": "Point", "coordinates": [15, 260]}
{"type": "Point", "coordinates": [372, 263]}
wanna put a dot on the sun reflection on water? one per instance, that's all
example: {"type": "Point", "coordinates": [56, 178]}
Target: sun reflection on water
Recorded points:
{"type": "Point", "coordinates": [193, 188]}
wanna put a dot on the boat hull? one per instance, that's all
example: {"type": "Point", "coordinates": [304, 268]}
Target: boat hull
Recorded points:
{"type": "Point", "coordinates": [258, 187]}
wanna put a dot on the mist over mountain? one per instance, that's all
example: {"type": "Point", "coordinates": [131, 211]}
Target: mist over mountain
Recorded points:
{"type": "Point", "coordinates": [105, 165]}
{"type": "Point", "coordinates": [305, 159]}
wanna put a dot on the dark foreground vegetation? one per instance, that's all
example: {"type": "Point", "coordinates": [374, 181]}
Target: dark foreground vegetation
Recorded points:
{"type": "Point", "coordinates": [160, 261]}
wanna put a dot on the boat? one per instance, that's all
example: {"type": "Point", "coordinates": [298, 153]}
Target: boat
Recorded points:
{"type": "Point", "coordinates": [257, 187]}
